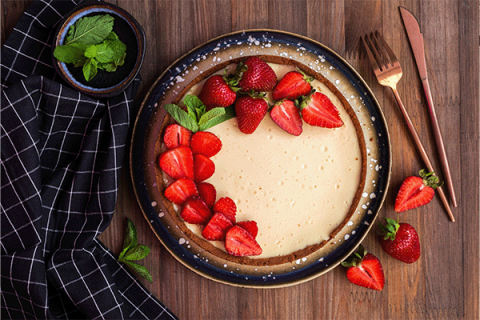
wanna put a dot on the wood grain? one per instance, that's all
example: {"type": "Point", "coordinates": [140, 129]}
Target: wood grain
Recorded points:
{"type": "Point", "coordinates": [444, 283]}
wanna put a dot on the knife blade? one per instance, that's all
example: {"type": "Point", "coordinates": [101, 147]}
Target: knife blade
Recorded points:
{"type": "Point", "coordinates": [416, 41]}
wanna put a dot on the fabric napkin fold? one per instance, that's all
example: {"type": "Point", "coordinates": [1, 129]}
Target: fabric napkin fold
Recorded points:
{"type": "Point", "coordinates": [61, 158]}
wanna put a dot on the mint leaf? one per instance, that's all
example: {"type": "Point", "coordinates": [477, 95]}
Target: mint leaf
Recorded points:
{"type": "Point", "coordinates": [91, 51]}
{"type": "Point", "coordinates": [105, 54]}
{"type": "Point", "coordinates": [112, 36]}
{"type": "Point", "coordinates": [182, 117]}
{"type": "Point", "coordinates": [130, 238]}
{"type": "Point", "coordinates": [90, 69]}
{"type": "Point", "coordinates": [117, 47]}
{"type": "Point", "coordinates": [121, 60]}
{"type": "Point", "coordinates": [229, 114]}
{"type": "Point", "coordinates": [137, 253]}
{"type": "Point", "coordinates": [80, 63]}
{"type": "Point", "coordinates": [194, 106]}
{"type": "Point", "coordinates": [90, 30]}
{"type": "Point", "coordinates": [141, 270]}
{"type": "Point", "coordinates": [68, 54]}
{"type": "Point", "coordinates": [211, 114]}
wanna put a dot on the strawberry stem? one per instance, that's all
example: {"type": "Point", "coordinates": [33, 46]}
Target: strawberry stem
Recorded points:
{"type": "Point", "coordinates": [430, 179]}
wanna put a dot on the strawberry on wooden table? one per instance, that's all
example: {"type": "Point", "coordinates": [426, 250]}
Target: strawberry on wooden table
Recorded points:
{"type": "Point", "coordinates": [318, 110]}
{"type": "Point", "coordinates": [177, 162]}
{"type": "Point", "coordinates": [365, 270]}
{"type": "Point", "coordinates": [239, 242]}
{"type": "Point", "coordinates": [226, 206]}
{"type": "Point", "coordinates": [205, 143]}
{"type": "Point", "coordinates": [208, 192]}
{"type": "Point", "coordinates": [250, 112]}
{"type": "Point", "coordinates": [175, 135]}
{"type": "Point", "coordinates": [255, 75]}
{"type": "Point", "coordinates": [416, 191]}
{"type": "Point", "coordinates": [195, 211]}
{"type": "Point", "coordinates": [287, 116]}
{"type": "Point", "coordinates": [217, 227]}
{"type": "Point", "coordinates": [218, 92]}
{"type": "Point", "coordinates": [293, 85]}
{"type": "Point", "coordinates": [400, 240]}
{"type": "Point", "coordinates": [180, 190]}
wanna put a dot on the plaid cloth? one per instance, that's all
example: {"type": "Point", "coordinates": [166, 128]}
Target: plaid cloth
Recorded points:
{"type": "Point", "coordinates": [61, 155]}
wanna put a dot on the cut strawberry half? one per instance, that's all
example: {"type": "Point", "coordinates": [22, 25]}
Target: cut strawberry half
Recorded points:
{"type": "Point", "coordinates": [226, 206]}
{"type": "Point", "coordinates": [416, 191]}
{"type": "Point", "coordinates": [217, 227]}
{"type": "Point", "coordinates": [293, 85]}
{"type": "Point", "coordinates": [177, 162]}
{"type": "Point", "coordinates": [205, 143]}
{"type": "Point", "coordinates": [203, 167]}
{"type": "Point", "coordinates": [365, 270]}
{"type": "Point", "coordinates": [181, 190]}
{"type": "Point", "coordinates": [250, 226]}
{"type": "Point", "coordinates": [240, 243]}
{"type": "Point", "coordinates": [208, 192]}
{"type": "Point", "coordinates": [175, 135]}
{"type": "Point", "coordinates": [195, 211]}
{"type": "Point", "coordinates": [318, 110]}
{"type": "Point", "coordinates": [287, 116]}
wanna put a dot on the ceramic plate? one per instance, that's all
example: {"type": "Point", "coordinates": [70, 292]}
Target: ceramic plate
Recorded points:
{"type": "Point", "coordinates": [218, 51]}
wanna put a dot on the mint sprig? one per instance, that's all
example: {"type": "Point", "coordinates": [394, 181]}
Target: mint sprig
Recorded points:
{"type": "Point", "coordinates": [195, 117]}
{"type": "Point", "coordinates": [133, 252]}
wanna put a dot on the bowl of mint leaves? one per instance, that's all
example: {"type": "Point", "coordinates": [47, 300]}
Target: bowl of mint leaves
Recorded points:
{"type": "Point", "coordinates": [98, 49]}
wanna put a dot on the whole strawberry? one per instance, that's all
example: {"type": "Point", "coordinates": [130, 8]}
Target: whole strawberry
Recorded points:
{"type": "Point", "coordinates": [250, 112]}
{"type": "Point", "coordinates": [400, 240]}
{"type": "Point", "coordinates": [255, 75]}
{"type": "Point", "coordinates": [218, 92]}
{"type": "Point", "coordinates": [416, 191]}
{"type": "Point", "coordinates": [365, 270]}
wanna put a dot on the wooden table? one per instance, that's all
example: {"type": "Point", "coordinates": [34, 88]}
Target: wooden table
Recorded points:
{"type": "Point", "coordinates": [444, 283]}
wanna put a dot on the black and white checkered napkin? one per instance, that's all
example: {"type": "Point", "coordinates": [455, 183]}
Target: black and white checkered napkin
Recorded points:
{"type": "Point", "coordinates": [61, 155]}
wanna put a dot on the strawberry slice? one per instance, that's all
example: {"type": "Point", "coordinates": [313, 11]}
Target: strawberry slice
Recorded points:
{"type": "Point", "coordinates": [208, 192]}
{"type": "Point", "coordinates": [203, 167]}
{"type": "Point", "coordinates": [218, 92]}
{"type": "Point", "coordinates": [318, 110]}
{"type": "Point", "coordinates": [250, 226]}
{"type": "Point", "coordinates": [181, 190]}
{"type": "Point", "coordinates": [255, 75]}
{"type": "Point", "coordinates": [195, 211]}
{"type": "Point", "coordinates": [416, 191]}
{"type": "Point", "coordinates": [177, 162]}
{"type": "Point", "coordinates": [365, 270]}
{"type": "Point", "coordinates": [250, 111]}
{"type": "Point", "coordinates": [293, 85]}
{"type": "Point", "coordinates": [217, 227]}
{"type": "Point", "coordinates": [175, 135]}
{"type": "Point", "coordinates": [287, 116]}
{"type": "Point", "coordinates": [240, 243]}
{"type": "Point", "coordinates": [226, 206]}
{"type": "Point", "coordinates": [205, 143]}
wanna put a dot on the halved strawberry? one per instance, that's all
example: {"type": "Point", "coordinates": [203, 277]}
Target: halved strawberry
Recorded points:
{"type": "Point", "coordinates": [205, 143]}
{"type": "Point", "coordinates": [181, 190]}
{"type": "Point", "coordinates": [203, 167]}
{"type": "Point", "coordinates": [226, 206]}
{"type": "Point", "coordinates": [364, 269]}
{"type": "Point", "coordinates": [255, 75]}
{"type": "Point", "coordinates": [318, 110]}
{"type": "Point", "coordinates": [250, 111]}
{"type": "Point", "coordinates": [293, 85]}
{"type": "Point", "coordinates": [239, 242]}
{"type": "Point", "coordinates": [175, 135]}
{"type": "Point", "coordinates": [287, 116]}
{"type": "Point", "coordinates": [195, 211]}
{"type": "Point", "coordinates": [177, 162]}
{"type": "Point", "coordinates": [218, 91]}
{"type": "Point", "coordinates": [250, 226]}
{"type": "Point", "coordinates": [208, 192]}
{"type": "Point", "coordinates": [217, 227]}
{"type": "Point", "coordinates": [416, 191]}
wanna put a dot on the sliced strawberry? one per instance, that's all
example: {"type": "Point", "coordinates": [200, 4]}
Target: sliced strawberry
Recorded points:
{"type": "Point", "coordinates": [204, 168]}
{"type": "Point", "coordinates": [250, 112]}
{"type": "Point", "coordinates": [240, 243]}
{"type": "Point", "coordinates": [177, 162]}
{"type": "Point", "coordinates": [318, 110]}
{"type": "Point", "coordinates": [256, 75]}
{"type": "Point", "coordinates": [175, 135]}
{"type": "Point", "coordinates": [208, 192]}
{"type": "Point", "coordinates": [293, 85]}
{"type": "Point", "coordinates": [217, 227]}
{"type": "Point", "coordinates": [365, 270]}
{"type": "Point", "coordinates": [250, 226]}
{"type": "Point", "coordinates": [287, 116]}
{"type": "Point", "coordinates": [416, 191]}
{"type": "Point", "coordinates": [218, 92]}
{"type": "Point", "coordinates": [205, 143]}
{"type": "Point", "coordinates": [181, 190]}
{"type": "Point", "coordinates": [195, 211]}
{"type": "Point", "coordinates": [226, 206]}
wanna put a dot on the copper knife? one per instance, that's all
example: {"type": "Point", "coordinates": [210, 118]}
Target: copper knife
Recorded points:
{"type": "Point", "coordinates": [416, 42]}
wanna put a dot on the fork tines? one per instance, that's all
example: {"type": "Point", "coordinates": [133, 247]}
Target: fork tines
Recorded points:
{"type": "Point", "coordinates": [382, 55]}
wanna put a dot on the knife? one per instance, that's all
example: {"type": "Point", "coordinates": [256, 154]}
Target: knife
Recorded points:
{"type": "Point", "coordinates": [416, 41]}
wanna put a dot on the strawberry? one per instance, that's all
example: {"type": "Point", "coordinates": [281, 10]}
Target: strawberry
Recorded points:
{"type": "Point", "coordinates": [250, 112]}
{"type": "Point", "coordinates": [287, 116]}
{"type": "Point", "coordinates": [218, 92]}
{"type": "Point", "coordinates": [250, 226]}
{"type": "Point", "coordinates": [181, 190]}
{"type": "Point", "coordinates": [203, 167]}
{"type": "Point", "coordinates": [208, 192]}
{"type": "Point", "coordinates": [205, 143]}
{"type": "Point", "coordinates": [226, 206]}
{"type": "Point", "coordinates": [364, 269]}
{"type": "Point", "coordinates": [240, 243]}
{"type": "Point", "coordinates": [175, 135]}
{"type": "Point", "coordinates": [255, 75]}
{"type": "Point", "coordinates": [177, 162]}
{"type": "Point", "coordinates": [195, 211]}
{"type": "Point", "coordinates": [293, 85]}
{"type": "Point", "coordinates": [416, 191]}
{"type": "Point", "coordinates": [400, 240]}
{"type": "Point", "coordinates": [318, 110]}
{"type": "Point", "coordinates": [217, 227]}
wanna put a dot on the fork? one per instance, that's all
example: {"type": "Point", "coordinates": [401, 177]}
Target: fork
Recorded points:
{"type": "Point", "coordinates": [388, 71]}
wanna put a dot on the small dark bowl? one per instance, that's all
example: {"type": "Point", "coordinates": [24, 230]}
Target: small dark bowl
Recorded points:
{"type": "Point", "coordinates": [104, 84]}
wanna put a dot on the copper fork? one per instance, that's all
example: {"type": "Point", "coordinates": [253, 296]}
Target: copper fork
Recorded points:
{"type": "Point", "coordinates": [388, 71]}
